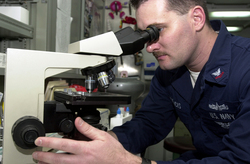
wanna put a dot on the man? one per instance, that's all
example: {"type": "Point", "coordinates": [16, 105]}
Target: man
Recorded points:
{"type": "Point", "coordinates": [203, 79]}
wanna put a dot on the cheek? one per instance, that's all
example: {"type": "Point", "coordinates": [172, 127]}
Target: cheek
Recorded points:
{"type": "Point", "coordinates": [182, 40]}
{"type": "Point", "coordinates": [179, 45]}
{"type": "Point", "coordinates": [173, 37]}
{"type": "Point", "coordinates": [178, 39]}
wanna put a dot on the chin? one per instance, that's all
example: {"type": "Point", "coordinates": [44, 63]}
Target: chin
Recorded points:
{"type": "Point", "coordinates": [164, 67]}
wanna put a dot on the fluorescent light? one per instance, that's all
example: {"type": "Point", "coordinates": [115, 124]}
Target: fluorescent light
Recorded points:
{"type": "Point", "coordinates": [230, 14]}
{"type": "Point", "coordinates": [234, 28]}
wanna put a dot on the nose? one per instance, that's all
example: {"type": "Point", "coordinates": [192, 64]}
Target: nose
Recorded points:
{"type": "Point", "coordinates": [151, 47]}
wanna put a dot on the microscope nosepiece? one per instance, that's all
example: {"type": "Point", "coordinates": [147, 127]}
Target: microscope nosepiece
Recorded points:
{"type": "Point", "coordinates": [103, 73]}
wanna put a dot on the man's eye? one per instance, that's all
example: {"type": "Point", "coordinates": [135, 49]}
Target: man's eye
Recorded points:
{"type": "Point", "coordinates": [160, 29]}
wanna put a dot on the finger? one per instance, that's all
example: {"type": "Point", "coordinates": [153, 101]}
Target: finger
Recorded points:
{"type": "Point", "coordinates": [88, 130]}
{"type": "Point", "coordinates": [53, 158]}
{"type": "Point", "coordinates": [63, 144]}
{"type": "Point", "coordinates": [42, 162]}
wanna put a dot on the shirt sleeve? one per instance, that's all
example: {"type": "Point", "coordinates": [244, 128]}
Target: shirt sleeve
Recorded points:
{"type": "Point", "coordinates": [152, 122]}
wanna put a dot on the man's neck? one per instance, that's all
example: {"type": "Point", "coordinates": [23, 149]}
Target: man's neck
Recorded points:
{"type": "Point", "coordinates": [207, 40]}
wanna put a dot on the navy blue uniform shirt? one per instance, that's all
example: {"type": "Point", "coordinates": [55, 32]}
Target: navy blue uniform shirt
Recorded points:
{"type": "Point", "coordinates": [216, 111]}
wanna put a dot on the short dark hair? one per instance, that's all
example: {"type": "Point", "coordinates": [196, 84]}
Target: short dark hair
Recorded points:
{"type": "Point", "coordinates": [180, 6]}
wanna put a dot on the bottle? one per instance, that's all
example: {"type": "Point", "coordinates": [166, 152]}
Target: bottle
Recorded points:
{"type": "Point", "coordinates": [123, 109]}
{"type": "Point", "coordinates": [127, 112]}
{"type": "Point", "coordinates": [116, 120]}
{"type": "Point", "coordinates": [118, 113]}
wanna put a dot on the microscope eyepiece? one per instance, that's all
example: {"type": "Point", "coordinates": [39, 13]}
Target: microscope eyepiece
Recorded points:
{"type": "Point", "coordinates": [133, 41]}
{"type": "Point", "coordinates": [151, 34]}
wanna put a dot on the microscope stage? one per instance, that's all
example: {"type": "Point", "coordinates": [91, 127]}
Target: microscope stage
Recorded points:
{"type": "Point", "coordinates": [94, 98]}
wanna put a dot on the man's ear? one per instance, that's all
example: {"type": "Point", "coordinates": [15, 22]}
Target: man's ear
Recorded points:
{"type": "Point", "coordinates": [198, 17]}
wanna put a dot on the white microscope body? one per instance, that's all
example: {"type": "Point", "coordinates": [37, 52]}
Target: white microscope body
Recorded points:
{"type": "Point", "coordinates": [25, 75]}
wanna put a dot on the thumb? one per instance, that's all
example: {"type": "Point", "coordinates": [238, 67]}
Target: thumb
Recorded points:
{"type": "Point", "coordinates": [86, 129]}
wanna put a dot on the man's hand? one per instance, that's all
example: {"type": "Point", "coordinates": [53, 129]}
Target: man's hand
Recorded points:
{"type": "Point", "coordinates": [103, 148]}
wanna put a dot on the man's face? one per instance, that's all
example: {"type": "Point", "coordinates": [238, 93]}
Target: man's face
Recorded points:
{"type": "Point", "coordinates": [177, 41]}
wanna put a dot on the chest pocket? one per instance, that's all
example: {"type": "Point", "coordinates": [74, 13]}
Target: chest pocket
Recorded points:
{"type": "Point", "coordinates": [218, 115]}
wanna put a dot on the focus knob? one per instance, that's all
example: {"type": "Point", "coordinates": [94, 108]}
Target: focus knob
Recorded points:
{"type": "Point", "coordinates": [26, 130]}
{"type": "Point", "coordinates": [66, 126]}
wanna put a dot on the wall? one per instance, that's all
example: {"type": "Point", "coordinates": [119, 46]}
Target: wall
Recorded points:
{"type": "Point", "coordinates": [113, 24]}
{"type": "Point", "coordinates": [244, 33]}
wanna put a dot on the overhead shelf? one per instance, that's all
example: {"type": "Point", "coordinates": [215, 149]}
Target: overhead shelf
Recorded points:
{"type": "Point", "coordinates": [13, 29]}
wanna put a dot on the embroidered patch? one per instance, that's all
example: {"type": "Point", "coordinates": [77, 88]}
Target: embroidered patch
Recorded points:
{"type": "Point", "coordinates": [176, 104]}
{"type": "Point", "coordinates": [218, 107]}
{"type": "Point", "coordinates": [218, 74]}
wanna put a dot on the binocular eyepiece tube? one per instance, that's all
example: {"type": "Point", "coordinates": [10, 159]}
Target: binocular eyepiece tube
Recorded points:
{"type": "Point", "coordinates": [133, 41]}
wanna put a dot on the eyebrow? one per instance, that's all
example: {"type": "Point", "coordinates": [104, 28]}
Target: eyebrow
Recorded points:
{"type": "Point", "coordinates": [157, 24]}
{"type": "Point", "coordinates": [154, 24]}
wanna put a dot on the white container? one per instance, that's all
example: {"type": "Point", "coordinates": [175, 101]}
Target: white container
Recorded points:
{"type": "Point", "coordinates": [115, 121]}
{"type": "Point", "coordinates": [16, 12]}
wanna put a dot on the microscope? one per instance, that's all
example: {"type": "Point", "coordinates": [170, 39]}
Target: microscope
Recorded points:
{"type": "Point", "coordinates": [26, 114]}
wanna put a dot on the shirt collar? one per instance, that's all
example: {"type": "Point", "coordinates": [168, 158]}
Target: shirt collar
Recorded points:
{"type": "Point", "coordinates": [217, 67]}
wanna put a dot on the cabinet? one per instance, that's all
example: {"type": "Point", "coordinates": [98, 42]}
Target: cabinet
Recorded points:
{"type": "Point", "coordinates": [12, 29]}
